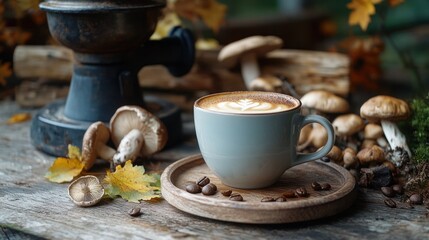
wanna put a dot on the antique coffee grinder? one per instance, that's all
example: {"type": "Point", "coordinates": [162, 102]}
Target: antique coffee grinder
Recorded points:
{"type": "Point", "coordinates": [110, 39]}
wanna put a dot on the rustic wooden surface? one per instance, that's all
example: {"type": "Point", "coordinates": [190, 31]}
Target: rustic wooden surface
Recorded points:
{"type": "Point", "coordinates": [30, 204]}
{"type": "Point", "coordinates": [316, 205]}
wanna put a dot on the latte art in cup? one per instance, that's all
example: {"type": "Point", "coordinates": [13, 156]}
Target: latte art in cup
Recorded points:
{"type": "Point", "coordinates": [248, 103]}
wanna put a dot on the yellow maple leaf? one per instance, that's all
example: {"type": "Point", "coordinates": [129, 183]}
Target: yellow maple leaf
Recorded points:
{"type": "Point", "coordinates": [18, 118]}
{"type": "Point", "coordinates": [64, 170]}
{"type": "Point", "coordinates": [73, 152]}
{"type": "Point", "coordinates": [361, 12]}
{"type": "Point", "coordinates": [211, 12]}
{"type": "Point", "coordinates": [5, 72]}
{"type": "Point", "coordinates": [132, 184]}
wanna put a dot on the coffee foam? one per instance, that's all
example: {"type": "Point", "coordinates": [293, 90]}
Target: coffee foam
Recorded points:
{"type": "Point", "coordinates": [248, 102]}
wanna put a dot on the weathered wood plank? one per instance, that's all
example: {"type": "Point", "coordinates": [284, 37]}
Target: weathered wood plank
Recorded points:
{"type": "Point", "coordinates": [31, 204]}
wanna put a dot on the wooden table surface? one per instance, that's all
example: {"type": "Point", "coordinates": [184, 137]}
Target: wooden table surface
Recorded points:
{"type": "Point", "coordinates": [32, 207]}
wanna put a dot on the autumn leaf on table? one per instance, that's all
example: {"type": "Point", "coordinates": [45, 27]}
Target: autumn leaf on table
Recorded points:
{"type": "Point", "coordinates": [361, 12]}
{"type": "Point", "coordinates": [210, 12]}
{"type": "Point", "coordinates": [132, 184]}
{"type": "Point", "coordinates": [18, 118]}
{"type": "Point", "coordinates": [65, 169]}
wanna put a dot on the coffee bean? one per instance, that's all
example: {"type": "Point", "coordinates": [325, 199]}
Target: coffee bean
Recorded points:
{"type": "Point", "coordinates": [226, 193]}
{"type": "Point", "coordinates": [193, 188]}
{"type": "Point", "coordinates": [289, 194]}
{"type": "Point", "coordinates": [209, 189]}
{"type": "Point", "coordinates": [390, 202]}
{"type": "Point", "coordinates": [134, 212]}
{"type": "Point", "coordinates": [267, 199]}
{"type": "Point", "coordinates": [397, 188]}
{"type": "Point", "coordinates": [235, 197]}
{"type": "Point", "coordinates": [281, 199]}
{"type": "Point", "coordinates": [301, 192]}
{"type": "Point", "coordinates": [325, 186]}
{"type": "Point", "coordinates": [387, 191]}
{"type": "Point", "coordinates": [325, 159]}
{"type": "Point", "coordinates": [203, 181]}
{"type": "Point", "coordinates": [316, 186]}
{"type": "Point", "coordinates": [416, 199]}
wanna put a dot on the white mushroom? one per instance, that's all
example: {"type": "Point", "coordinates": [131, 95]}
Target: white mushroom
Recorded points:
{"type": "Point", "coordinates": [325, 102]}
{"type": "Point", "coordinates": [94, 144]}
{"type": "Point", "coordinates": [86, 191]}
{"type": "Point", "coordinates": [387, 110]}
{"type": "Point", "coordinates": [136, 132]}
{"type": "Point", "coordinates": [246, 52]}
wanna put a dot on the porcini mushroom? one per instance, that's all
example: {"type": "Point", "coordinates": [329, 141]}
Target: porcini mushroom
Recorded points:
{"type": "Point", "coordinates": [136, 132]}
{"type": "Point", "coordinates": [246, 52]}
{"type": "Point", "coordinates": [387, 110]}
{"type": "Point", "coordinates": [325, 102]}
{"type": "Point", "coordinates": [94, 144]}
{"type": "Point", "coordinates": [86, 191]}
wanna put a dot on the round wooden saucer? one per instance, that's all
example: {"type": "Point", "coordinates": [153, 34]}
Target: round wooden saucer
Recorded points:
{"type": "Point", "coordinates": [318, 204]}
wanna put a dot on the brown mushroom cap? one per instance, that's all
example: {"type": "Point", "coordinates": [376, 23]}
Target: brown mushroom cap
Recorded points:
{"type": "Point", "coordinates": [372, 154]}
{"type": "Point", "coordinates": [127, 118]}
{"type": "Point", "coordinates": [348, 124]}
{"type": "Point", "coordinates": [384, 108]}
{"type": "Point", "coordinates": [349, 158]}
{"type": "Point", "coordinates": [325, 101]}
{"type": "Point", "coordinates": [372, 131]}
{"type": "Point", "coordinates": [258, 45]}
{"type": "Point", "coordinates": [96, 134]}
{"type": "Point", "coordinates": [86, 191]}
{"type": "Point", "coordinates": [335, 154]}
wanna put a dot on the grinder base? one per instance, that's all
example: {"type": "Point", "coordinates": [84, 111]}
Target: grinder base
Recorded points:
{"type": "Point", "coordinates": [52, 131]}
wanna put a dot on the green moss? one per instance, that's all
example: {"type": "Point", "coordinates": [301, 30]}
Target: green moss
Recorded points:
{"type": "Point", "coordinates": [420, 126]}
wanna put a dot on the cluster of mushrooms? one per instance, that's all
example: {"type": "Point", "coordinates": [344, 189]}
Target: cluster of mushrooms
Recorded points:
{"type": "Point", "coordinates": [133, 130]}
{"type": "Point", "coordinates": [367, 140]}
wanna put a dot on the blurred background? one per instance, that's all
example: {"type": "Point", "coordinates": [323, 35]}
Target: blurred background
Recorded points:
{"type": "Point", "coordinates": [386, 42]}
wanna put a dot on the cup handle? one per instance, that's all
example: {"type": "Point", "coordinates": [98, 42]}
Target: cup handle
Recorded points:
{"type": "Point", "coordinates": [302, 158]}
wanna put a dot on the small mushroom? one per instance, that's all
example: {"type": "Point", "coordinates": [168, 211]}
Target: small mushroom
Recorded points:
{"type": "Point", "coordinates": [86, 191]}
{"type": "Point", "coordinates": [324, 102]}
{"type": "Point", "coordinates": [94, 144]}
{"type": "Point", "coordinates": [348, 124]}
{"type": "Point", "coordinates": [372, 131]}
{"type": "Point", "coordinates": [367, 143]}
{"type": "Point", "coordinates": [136, 132]}
{"type": "Point", "coordinates": [246, 52]}
{"type": "Point", "coordinates": [305, 133]}
{"type": "Point", "coordinates": [349, 158]}
{"type": "Point", "coordinates": [335, 155]}
{"type": "Point", "coordinates": [374, 154]}
{"type": "Point", "coordinates": [317, 138]}
{"type": "Point", "coordinates": [387, 110]}
{"type": "Point", "coordinates": [267, 83]}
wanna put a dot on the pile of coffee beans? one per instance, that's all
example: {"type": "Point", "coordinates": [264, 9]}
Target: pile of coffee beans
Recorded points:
{"type": "Point", "coordinates": [397, 189]}
{"type": "Point", "coordinates": [202, 185]}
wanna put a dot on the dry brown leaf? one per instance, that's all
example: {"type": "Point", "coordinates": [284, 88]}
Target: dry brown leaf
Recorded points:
{"type": "Point", "coordinates": [5, 72]}
{"type": "Point", "coordinates": [361, 12]}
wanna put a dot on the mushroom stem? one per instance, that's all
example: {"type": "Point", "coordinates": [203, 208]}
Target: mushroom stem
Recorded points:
{"type": "Point", "coordinates": [105, 152]}
{"type": "Point", "coordinates": [130, 147]}
{"type": "Point", "coordinates": [394, 136]}
{"type": "Point", "coordinates": [249, 69]}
